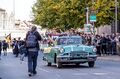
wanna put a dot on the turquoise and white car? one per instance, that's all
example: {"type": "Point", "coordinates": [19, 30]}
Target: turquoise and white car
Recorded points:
{"type": "Point", "coordinates": [69, 49]}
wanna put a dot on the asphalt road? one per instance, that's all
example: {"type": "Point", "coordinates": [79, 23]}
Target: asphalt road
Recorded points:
{"type": "Point", "coordinates": [13, 68]}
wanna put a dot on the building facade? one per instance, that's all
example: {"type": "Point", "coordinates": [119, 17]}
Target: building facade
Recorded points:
{"type": "Point", "coordinates": [2, 18]}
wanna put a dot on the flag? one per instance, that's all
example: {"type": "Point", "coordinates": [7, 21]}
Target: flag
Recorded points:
{"type": "Point", "coordinates": [8, 38]}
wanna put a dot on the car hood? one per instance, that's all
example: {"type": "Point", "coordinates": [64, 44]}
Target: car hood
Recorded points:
{"type": "Point", "coordinates": [69, 48]}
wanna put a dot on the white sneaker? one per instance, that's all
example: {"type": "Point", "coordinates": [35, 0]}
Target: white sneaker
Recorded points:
{"type": "Point", "coordinates": [30, 74]}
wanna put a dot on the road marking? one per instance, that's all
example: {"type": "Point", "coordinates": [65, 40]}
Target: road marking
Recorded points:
{"type": "Point", "coordinates": [100, 73]}
{"type": "Point", "coordinates": [44, 70]}
{"type": "Point", "coordinates": [77, 74]}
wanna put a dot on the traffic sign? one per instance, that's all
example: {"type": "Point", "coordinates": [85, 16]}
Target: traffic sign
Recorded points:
{"type": "Point", "coordinates": [92, 18]}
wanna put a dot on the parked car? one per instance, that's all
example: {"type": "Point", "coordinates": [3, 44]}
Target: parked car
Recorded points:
{"type": "Point", "coordinates": [69, 49]}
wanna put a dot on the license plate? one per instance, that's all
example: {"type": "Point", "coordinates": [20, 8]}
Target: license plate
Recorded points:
{"type": "Point", "coordinates": [79, 55]}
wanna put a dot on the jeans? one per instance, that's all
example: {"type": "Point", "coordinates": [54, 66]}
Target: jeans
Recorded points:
{"type": "Point", "coordinates": [104, 49]}
{"type": "Point", "coordinates": [98, 50]}
{"type": "Point", "coordinates": [0, 54]}
{"type": "Point", "coordinates": [113, 49]}
{"type": "Point", "coordinates": [32, 61]}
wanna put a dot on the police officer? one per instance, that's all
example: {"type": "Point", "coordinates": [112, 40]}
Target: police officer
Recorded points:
{"type": "Point", "coordinates": [103, 44]}
{"type": "Point", "coordinates": [5, 46]}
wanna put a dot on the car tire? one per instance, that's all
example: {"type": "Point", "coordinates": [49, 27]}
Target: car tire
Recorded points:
{"type": "Point", "coordinates": [59, 65]}
{"type": "Point", "coordinates": [55, 55]}
{"type": "Point", "coordinates": [49, 64]}
{"type": "Point", "coordinates": [91, 64]}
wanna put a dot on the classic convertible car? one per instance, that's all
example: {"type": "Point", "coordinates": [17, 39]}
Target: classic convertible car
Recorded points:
{"type": "Point", "coordinates": [70, 50]}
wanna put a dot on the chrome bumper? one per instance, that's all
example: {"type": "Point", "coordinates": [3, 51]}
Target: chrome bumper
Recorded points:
{"type": "Point", "coordinates": [75, 60]}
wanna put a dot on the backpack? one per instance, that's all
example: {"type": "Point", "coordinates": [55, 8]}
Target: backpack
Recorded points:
{"type": "Point", "coordinates": [31, 41]}
{"type": "Point", "coordinates": [0, 46]}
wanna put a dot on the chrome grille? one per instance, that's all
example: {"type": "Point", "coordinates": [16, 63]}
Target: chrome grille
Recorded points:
{"type": "Point", "coordinates": [78, 54]}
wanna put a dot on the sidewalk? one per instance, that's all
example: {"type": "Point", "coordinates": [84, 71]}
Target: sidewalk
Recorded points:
{"type": "Point", "coordinates": [110, 58]}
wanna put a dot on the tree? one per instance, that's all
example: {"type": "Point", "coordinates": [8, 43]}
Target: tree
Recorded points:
{"type": "Point", "coordinates": [104, 13]}
{"type": "Point", "coordinates": [119, 10]}
{"type": "Point", "coordinates": [70, 13]}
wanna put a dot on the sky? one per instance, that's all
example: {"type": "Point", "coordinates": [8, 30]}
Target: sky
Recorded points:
{"type": "Point", "coordinates": [23, 9]}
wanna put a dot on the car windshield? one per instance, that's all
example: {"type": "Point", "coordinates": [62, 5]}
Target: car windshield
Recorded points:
{"type": "Point", "coordinates": [67, 41]}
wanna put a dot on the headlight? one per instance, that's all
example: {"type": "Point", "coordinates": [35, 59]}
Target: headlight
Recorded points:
{"type": "Point", "coordinates": [94, 50]}
{"type": "Point", "coordinates": [47, 50]}
{"type": "Point", "coordinates": [62, 50]}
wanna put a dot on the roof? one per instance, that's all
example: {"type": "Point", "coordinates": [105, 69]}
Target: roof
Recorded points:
{"type": "Point", "coordinates": [2, 9]}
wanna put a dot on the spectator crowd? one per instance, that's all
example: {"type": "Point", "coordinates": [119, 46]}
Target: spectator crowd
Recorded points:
{"type": "Point", "coordinates": [105, 44]}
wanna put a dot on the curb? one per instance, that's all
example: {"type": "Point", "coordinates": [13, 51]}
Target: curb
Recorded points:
{"type": "Point", "coordinates": [109, 58]}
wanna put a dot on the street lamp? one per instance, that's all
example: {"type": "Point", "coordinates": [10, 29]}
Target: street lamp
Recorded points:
{"type": "Point", "coordinates": [87, 15]}
{"type": "Point", "coordinates": [13, 13]}
{"type": "Point", "coordinates": [116, 24]}
{"type": "Point", "coordinates": [93, 3]}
